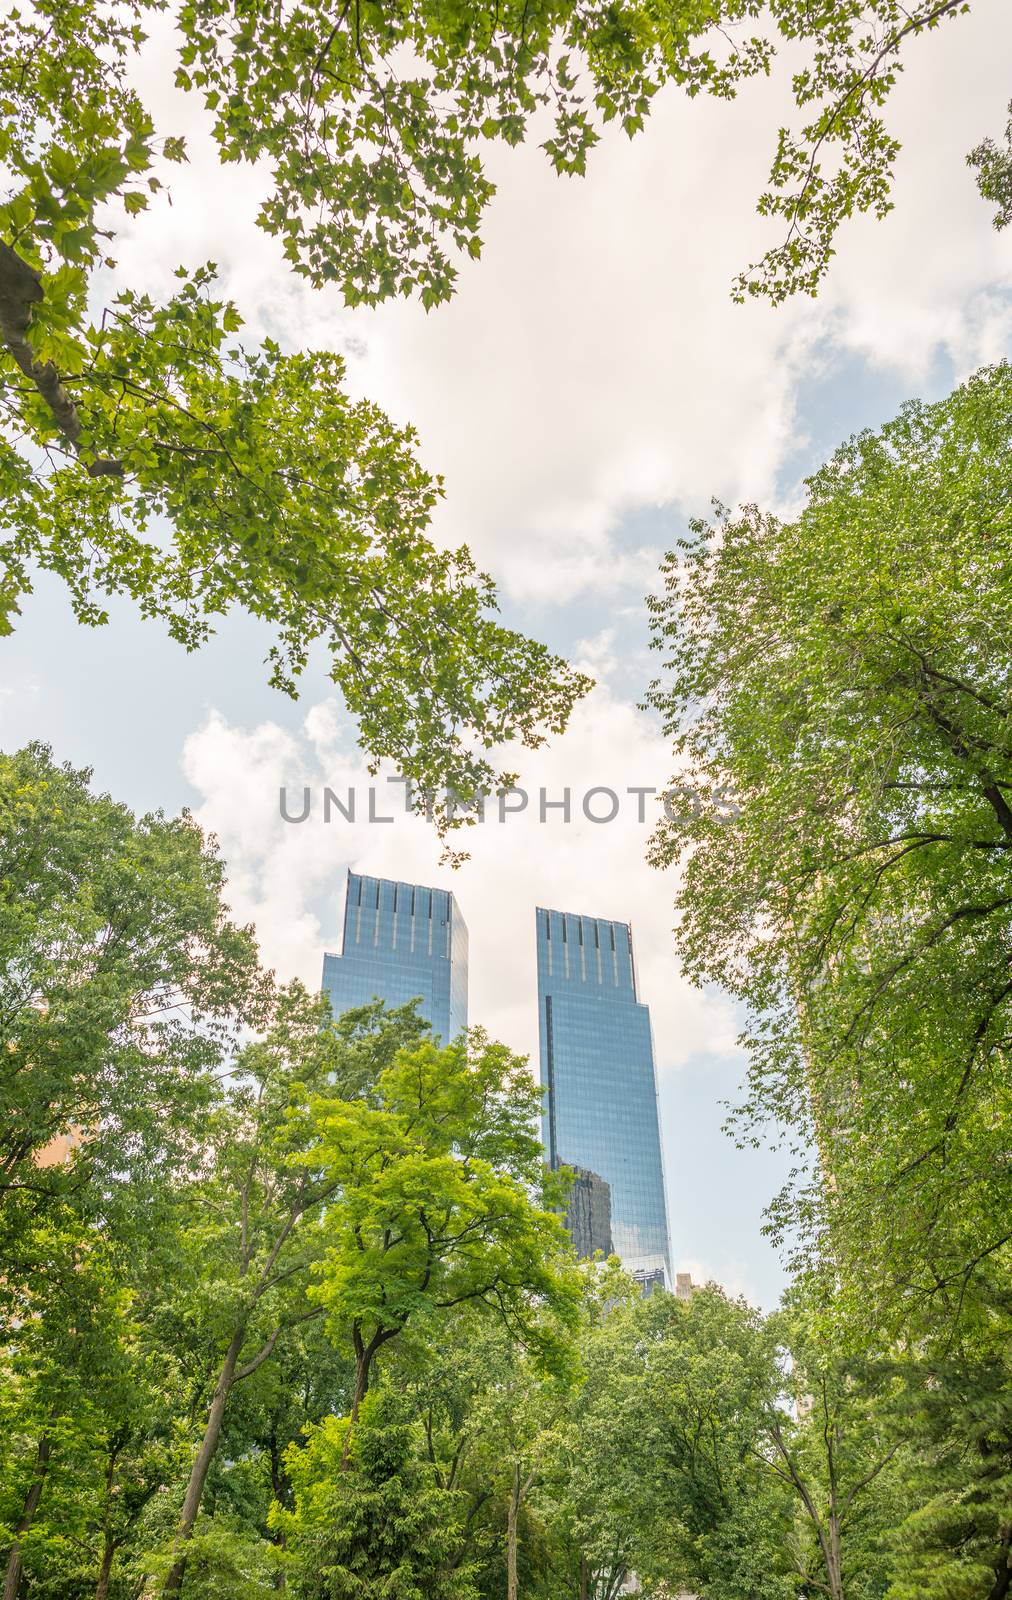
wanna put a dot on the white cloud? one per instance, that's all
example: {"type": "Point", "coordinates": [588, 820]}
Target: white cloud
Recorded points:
{"type": "Point", "coordinates": [936, 275]}
{"type": "Point", "coordinates": [735, 1277]}
{"type": "Point", "coordinates": [287, 877]}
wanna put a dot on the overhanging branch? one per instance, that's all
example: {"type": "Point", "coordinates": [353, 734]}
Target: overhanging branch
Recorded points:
{"type": "Point", "coordinates": [21, 290]}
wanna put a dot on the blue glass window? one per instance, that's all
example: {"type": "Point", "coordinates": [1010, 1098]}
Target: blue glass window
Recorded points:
{"type": "Point", "coordinates": [401, 942]}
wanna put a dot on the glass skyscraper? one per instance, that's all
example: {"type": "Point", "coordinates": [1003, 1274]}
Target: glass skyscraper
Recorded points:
{"type": "Point", "coordinates": [597, 1066]}
{"type": "Point", "coordinates": [401, 941]}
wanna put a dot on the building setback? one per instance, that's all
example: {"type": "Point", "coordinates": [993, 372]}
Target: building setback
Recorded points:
{"type": "Point", "coordinates": [597, 1067]}
{"type": "Point", "coordinates": [401, 941]}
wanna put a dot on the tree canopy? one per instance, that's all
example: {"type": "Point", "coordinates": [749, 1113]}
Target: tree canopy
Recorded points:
{"type": "Point", "coordinates": [121, 979]}
{"type": "Point", "coordinates": [838, 686]}
{"type": "Point", "coordinates": [148, 452]}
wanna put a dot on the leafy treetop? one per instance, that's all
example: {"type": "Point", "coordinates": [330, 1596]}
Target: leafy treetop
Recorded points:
{"type": "Point", "coordinates": [840, 693]}
{"type": "Point", "coordinates": [146, 452]}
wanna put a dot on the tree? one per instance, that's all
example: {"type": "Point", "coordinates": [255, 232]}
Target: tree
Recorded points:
{"type": "Point", "coordinates": [371, 1518]}
{"type": "Point", "coordinates": [956, 1535]}
{"type": "Point", "coordinates": [307, 1379]}
{"type": "Point", "coordinates": [592, 1462]}
{"type": "Point", "coordinates": [256, 1221]}
{"type": "Point", "coordinates": [706, 1513]}
{"type": "Point", "coordinates": [518, 1416]}
{"type": "Point", "coordinates": [440, 1172]}
{"type": "Point", "coordinates": [86, 1414]}
{"type": "Point", "coordinates": [435, 1172]}
{"type": "Point", "coordinates": [149, 453]}
{"type": "Point", "coordinates": [838, 687]}
{"type": "Point", "coordinates": [836, 1436]}
{"type": "Point", "coordinates": [376, 1211]}
{"type": "Point", "coordinates": [120, 976]}
{"type": "Point", "coordinates": [460, 1377]}
{"type": "Point", "coordinates": [463, 1418]}
{"type": "Point", "coordinates": [659, 1466]}
{"type": "Point", "coordinates": [278, 493]}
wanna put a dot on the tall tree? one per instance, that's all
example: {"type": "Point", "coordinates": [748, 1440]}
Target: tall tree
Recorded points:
{"type": "Point", "coordinates": [593, 1468]}
{"type": "Point", "coordinates": [837, 1436]}
{"type": "Point", "coordinates": [839, 688]}
{"type": "Point", "coordinates": [702, 1384]}
{"type": "Point", "coordinates": [120, 976]}
{"type": "Point", "coordinates": [377, 1211]}
{"type": "Point", "coordinates": [84, 1401]}
{"type": "Point", "coordinates": [256, 1221]}
{"type": "Point", "coordinates": [519, 1415]}
{"type": "Point", "coordinates": [440, 1175]}
{"type": "Point", "coordinates": [955, 1534]}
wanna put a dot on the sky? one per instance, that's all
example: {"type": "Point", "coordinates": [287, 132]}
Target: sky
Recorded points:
{"type": "Point", "coordinates": [589, 389]}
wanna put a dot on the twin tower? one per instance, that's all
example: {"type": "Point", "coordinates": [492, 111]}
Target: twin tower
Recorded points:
{"type": "Point", "coordinates": [403, 942]}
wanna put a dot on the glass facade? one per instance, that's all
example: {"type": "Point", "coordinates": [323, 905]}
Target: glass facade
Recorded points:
{"type": "Point", "coordinates": [401, 942]}
{"type": "Point", "coordinates": [597, 1065]}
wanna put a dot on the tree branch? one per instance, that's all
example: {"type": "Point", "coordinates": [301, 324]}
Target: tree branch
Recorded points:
{"type": "Point", "coordinates": [20, 290]}
{"type": "Point", "coordinates": [267, 1350]}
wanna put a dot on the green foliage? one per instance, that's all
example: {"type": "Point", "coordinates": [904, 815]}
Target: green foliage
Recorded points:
{"type": "Point", "coordinates": [371, 125]}
{"type": "Point", "coordinates": [839, 691]}
{"type": "Point", "coordinates": [279, 494]}
{"type": "Point", "coordinates": [283, 497]}
{"type": "Point", "coordinates": [258, 1198]}
{"type": "Point", "coordinates": [436, 1167]}
{"type": "Point", "coordinates": [225, 1561]}
{"type": "Point", "coordinates": [149, 454]}
{"type": "Point", "coordinates": [119, 975]}
{"type": "Point", "coordinates": [309, 1319]}
{"type": "Point", "coordinates": [841, 1439]}
{"type": "Point", "coordinates": [377, 172]}
{"type": "Point", "coordinates": [89, 1402]}
{"type": "Point", "coordinates": [684, 1422]}
{"type": "Point", "coordinates": [841, 160]}
{"type": "Point", "coordinates": [994, 174]}
{"type": "Point", "coordinates": [252, 1227]}
{"type": "Point", "coordinates": [381, 1525]}
{"type": "Point", "coordinates": [954, 1542]}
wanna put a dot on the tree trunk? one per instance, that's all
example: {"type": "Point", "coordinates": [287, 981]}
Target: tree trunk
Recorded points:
{"type": "Point", "coordinates": [362, 1365]}
{"type": "Point", "coordinates": [834, 1559]}
{"type": "Point", "coordinates": [363, 1358]}
{"type": "Point", "coordinates": [104, 1571]}
{"type": "Point", "coordinates": [278, 1485]}
{"type": "Point", "coordinates": [198, 1473]}
{"type": "Point", "coordinates": [1003, 1577]}
{"type": "Point", "coordinates": [364, 1354]}
{"type": "Point", "coordinates": [584, 1579]}
{"type": "Point", "coordinates": [512, 1516]}
{"type": "Point", "coordinates": [15, 1563]}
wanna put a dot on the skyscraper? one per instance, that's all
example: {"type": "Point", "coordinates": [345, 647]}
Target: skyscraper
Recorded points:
{"type": "Point", "coordinates": [401, 941]}
{"type": "Point", "coordinates": [597, 1065]}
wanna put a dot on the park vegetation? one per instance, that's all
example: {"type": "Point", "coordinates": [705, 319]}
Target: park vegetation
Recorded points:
{"type": "Point", "coordinates": [286, 1300]}
{"type": "Point", "coordinates": [293, 1309]}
